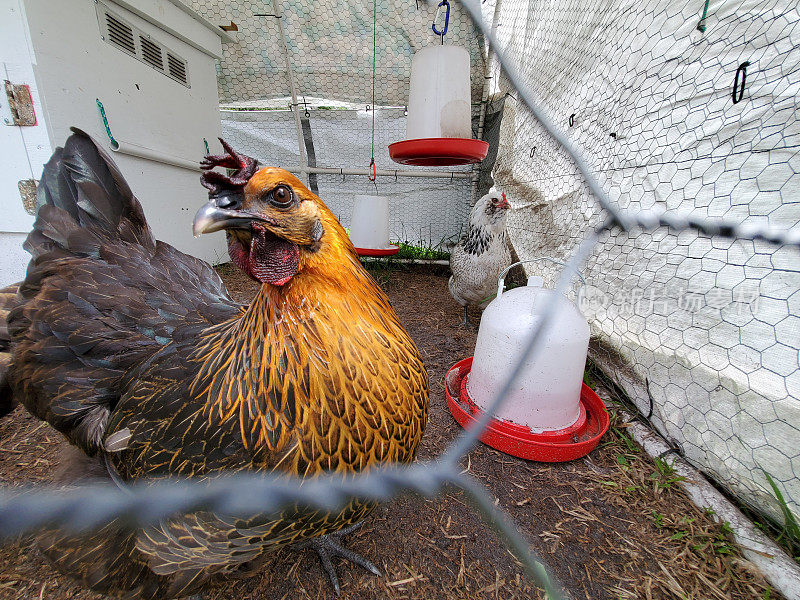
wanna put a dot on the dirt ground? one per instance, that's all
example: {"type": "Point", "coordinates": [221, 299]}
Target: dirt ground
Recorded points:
{"type": "Point", "coordinates": [613, 525]}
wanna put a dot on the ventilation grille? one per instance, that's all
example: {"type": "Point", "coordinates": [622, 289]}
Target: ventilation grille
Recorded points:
{"type": "Point", "coordinates": [121, 34]}
{"type": "Point", "coordinates": [177, 68]}
{"type": "Point", "coordinates": [151, 53]}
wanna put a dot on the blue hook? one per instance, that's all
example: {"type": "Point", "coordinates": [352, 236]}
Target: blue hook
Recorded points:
{"type": "Point", "coordinates": [446, 19]}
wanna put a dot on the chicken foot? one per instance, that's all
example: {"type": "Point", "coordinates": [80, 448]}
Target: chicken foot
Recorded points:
{"type": "Point", "coordinates": [328, 546]}
{"type": "Point", "coordinates": [465, 324]}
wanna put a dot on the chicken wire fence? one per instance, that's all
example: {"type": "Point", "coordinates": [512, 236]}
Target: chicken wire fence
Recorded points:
{"type": "Point", "coordinates": [426, 212]}
{"type": "Point", "coordinates": [688, 191]}
{"type": "Point", "coordinates": [677, 112]}
{"type": "Point", "coordinates": [323, 86]}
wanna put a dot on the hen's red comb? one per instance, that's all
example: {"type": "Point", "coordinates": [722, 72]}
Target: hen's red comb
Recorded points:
{"type": "Point", "coordinates": [217, 182]}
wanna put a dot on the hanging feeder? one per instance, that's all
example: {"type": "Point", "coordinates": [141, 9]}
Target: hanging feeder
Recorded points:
{"type": "Point", "coordinates": [549, 414]}
{"type": "Point", "coordinates": [438, 126]}
{"type": "Point", "coordinates": [369, 227]}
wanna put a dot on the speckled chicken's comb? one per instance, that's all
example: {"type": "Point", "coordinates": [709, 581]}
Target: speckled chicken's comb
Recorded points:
{"type": "Point", "coordinates": [220, 184]}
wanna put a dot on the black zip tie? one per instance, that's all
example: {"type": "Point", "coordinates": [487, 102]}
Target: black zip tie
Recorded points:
{"type": "Point", "coordinates": [736, 87]}
{"type": "Point", "coordinates": [669, 451]}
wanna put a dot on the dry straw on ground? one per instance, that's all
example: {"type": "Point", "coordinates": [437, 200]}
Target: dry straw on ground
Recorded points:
{"type": "Point", "coordinates": [614, 525]}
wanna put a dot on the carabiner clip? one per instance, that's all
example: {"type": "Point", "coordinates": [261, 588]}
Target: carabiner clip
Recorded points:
{"type": "Point", "coordinates": [446, 18]}
{"type": "Point", "coordinates": [374, 175]}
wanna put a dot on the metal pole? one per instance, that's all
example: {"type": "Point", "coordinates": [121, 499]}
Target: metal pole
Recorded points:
{"type": "Point", "coordinates": [389, 173]}
{"type": "Point", "coordinates": [303, 171]}
{"type": "Point", "coordinates": [487, 78]}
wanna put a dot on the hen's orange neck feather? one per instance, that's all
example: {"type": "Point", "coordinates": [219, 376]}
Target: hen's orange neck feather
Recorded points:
{"type": "Point", "coordinates": [318, 374]}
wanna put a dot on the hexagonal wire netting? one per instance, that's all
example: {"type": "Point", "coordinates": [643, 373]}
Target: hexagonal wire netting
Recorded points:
{"type": "Point", "coordinates": [702, 332]}
{"type": "Point", "coordinates": [323, 52]}
{"type": "Point", "coordinates": [678, 106]}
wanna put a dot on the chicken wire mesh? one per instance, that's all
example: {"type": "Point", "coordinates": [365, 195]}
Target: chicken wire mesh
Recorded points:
{"type": "Point", "coordinates": [424, 211]}
{"type": "Point", "coordinates": [701, 332]}
{"type": "Point", "coordinates": [297, 91]}
{"type": "Point", "coordinates": [678, 145]}
{"type": "Point", "coordinates": [670, 112]}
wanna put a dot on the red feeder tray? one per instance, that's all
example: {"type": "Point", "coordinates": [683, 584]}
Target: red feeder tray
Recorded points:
{"type": "Point", "coordinates": [378, 251]}
{"type": "Point", "coordinates": [438, 152]}
{"type": "Point", "coordinates": [517, 440]}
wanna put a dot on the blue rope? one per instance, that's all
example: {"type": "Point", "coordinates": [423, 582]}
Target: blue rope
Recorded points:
{"type": "Point", "coordinates": [701, 26]}
{"type": "Point", "coordinates": [114, 143]}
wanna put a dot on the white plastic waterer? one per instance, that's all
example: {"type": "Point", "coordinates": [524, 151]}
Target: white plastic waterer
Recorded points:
{"type": "Point", "coordinates": [439, 97]}
{"type": "Point", "coordinates": [438, 126]}
{"type": "Point", "coordinates": [545, 397]}
{"type": "Point", "coordinates": [369, 227]}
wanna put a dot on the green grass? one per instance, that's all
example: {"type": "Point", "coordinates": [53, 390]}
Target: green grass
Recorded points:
{"type": "Point", "coordinates": [381, 267]}
{"type": "Point", "coordinates": [407, 250]}
{"type": "Point", "coordinates": [420, 252]}
{"type": "Point", "coordinates": [790, 532]}
{"type": "Point", "coordinates": [664, 475]}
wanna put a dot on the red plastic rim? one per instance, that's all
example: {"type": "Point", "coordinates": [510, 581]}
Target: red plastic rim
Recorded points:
{"type": "Point", "coordinates": [517, 440]}
{"type": "Point", "coordinates": [378, 251]}
{"type": "Point", "coordinates": [438, 152]}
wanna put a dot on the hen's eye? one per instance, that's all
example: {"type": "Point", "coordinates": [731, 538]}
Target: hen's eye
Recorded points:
{"type": "Point", "coordinates": [281, 196]}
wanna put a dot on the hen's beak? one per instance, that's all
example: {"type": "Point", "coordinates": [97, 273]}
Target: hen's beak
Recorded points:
{"type": "Point", "coordinates": [221, 213]}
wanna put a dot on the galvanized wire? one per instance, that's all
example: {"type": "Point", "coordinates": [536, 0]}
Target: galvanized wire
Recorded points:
{"type": "Point", "coordinates": [143, 503]}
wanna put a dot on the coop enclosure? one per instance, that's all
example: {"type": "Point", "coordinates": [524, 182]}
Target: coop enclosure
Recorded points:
{"type": "Point", "coordinates": [684, 105]}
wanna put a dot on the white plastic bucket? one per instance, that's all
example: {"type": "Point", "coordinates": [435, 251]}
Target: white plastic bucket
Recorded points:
{"type": "Point", "coordinates": [546, 394]}
{"type": "Point", "coordinates": [439, 98]}
{"type": "Point", "coordinates": [369, 227]}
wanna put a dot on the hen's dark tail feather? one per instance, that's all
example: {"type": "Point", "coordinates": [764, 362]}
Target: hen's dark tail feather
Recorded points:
{"type": "Point", "coordinates": [70, 347]}
{"type": "Point", "coordinates": [8, 300]}
{"type": "Point", "coordinates": [82, 180]}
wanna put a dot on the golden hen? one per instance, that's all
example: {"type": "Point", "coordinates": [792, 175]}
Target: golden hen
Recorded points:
{"type": "Point", "coordinates": [138, 355]}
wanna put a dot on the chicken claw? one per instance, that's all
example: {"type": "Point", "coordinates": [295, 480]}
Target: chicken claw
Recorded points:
{"type": "Point", "coordinates": [328, 546]}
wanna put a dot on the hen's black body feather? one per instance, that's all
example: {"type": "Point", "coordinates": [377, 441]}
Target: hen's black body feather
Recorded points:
{"type": "Point", "coordinates": [101, 296]}
{"type": "Point", "coordinates": [137, 354]}
{"type": "Point", "coordinates": [103, 303]}
{"type": "Point", "coordinates": [8, 299]}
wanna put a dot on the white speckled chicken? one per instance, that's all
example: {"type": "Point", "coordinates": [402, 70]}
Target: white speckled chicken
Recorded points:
{"type": "Point", "coordinates": [482, 253]}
